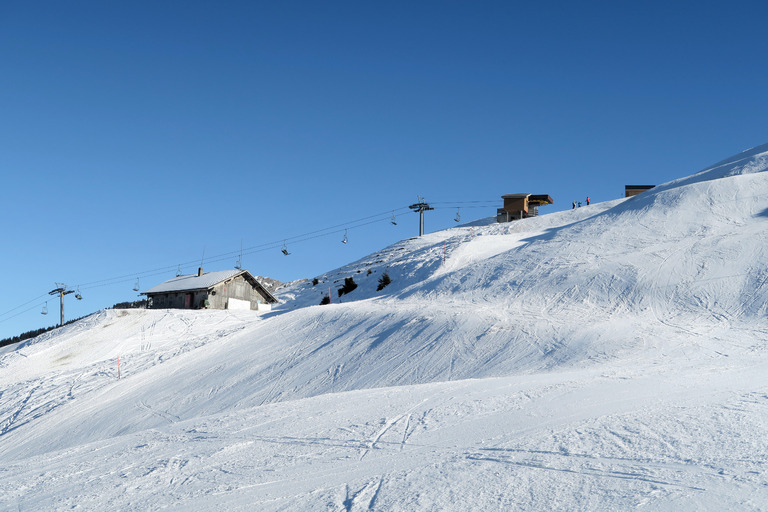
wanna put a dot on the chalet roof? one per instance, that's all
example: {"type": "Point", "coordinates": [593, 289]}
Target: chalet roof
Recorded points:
{"type": "Point", "coordinates": [206, 281]}
{"type": "Point", "coordinates": [193, 282]}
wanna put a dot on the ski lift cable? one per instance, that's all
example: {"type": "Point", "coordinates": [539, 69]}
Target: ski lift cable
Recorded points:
{"type": "Point", "coordinates": [312, 234]}
{"type": "Point", "coordinates": [88, 285]}
{"type": "Point", "coordinates": [306, 238]}
{"type": "Point", "coordinates": [123, 280]}
{"type": "Point", "coordinates": [301, 238]}
{"type": "Point", "coordinates": [371, 219]}
{"type": "Point", "coordinates": [36, 300]}
{"type": "Point", "coordinates": [452, 207]}
{"type": "Point", "coordinates": [245, 251]}
{"type": "Point", "coordinates": [273, 245]}
{"type": "Point", "coordinates": [131, 276]}
{"type": "Point", "coordinates": [464, 202]}
{"type": "Point", "coordinates": [357, 222]}
{"type": "Point", "coordinates": [37, 305]}
{"type": "Point", "coordinates": [269, 246]}
{"type": "Point", "coordinates": [164, 270]}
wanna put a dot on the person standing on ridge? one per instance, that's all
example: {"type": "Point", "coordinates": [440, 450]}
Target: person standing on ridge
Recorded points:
{"type": "Point", "coordinates": [587, 200]}
{"type": "Point", "coordinates": [574, 205]}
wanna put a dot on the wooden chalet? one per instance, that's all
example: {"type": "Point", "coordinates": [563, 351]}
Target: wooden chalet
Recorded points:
{"type": "Point", "coordinates": [225, 289]}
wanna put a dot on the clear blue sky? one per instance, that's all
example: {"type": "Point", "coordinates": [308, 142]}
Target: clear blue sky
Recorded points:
{"type": "Point", "coordinates": [137, 136]}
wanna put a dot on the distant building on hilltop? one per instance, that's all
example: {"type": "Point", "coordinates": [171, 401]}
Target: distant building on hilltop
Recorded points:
{"type": "Point", "coordinates": [225, 289]}
{"type": "Point", "coordinates": [633, 190]}
{"type": "Point", "coordinates": [520, 206]}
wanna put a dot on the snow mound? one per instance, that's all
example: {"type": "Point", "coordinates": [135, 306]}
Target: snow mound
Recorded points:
{"type": "Point", "coordinates": [750, 161]}
{"type": "Point", "coordinates": [590, 349]}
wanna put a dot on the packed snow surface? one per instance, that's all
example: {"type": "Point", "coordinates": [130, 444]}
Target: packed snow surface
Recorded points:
{"type": "Point", "coordinates": [604, 358]}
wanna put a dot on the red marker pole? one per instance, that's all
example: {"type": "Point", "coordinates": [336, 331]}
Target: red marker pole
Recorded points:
{"type": "Point", "coordinates": [118, 367]}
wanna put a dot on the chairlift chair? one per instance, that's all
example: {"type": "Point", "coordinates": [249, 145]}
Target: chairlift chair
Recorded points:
{"type": "Point", "coordinates": [77, 294]}
{"type": "Point", "coordinates": [284, 250]}
{"type": "Point", "coordinates": [239, 262]}
{"type": "Point", "coordinates": [136, 286]}
{"type": "Point", "coordinates": [392, 220]}
{"type": "Point", "coordinates": [458, 216]}
{"type": "Point", "coordinates": [45, 309]}
{"type": "Point", "coordinates": [345, 237]}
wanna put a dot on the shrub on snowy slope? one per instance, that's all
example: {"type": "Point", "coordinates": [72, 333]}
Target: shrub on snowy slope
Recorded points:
{"type": "Point", "coordinates": [349, 285]}
{"type": "Point", "coordinates": [384, 281]}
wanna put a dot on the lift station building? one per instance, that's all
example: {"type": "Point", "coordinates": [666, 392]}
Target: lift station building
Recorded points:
{"type": "Point", "coordinates": [633, 190]}
{"type": "Point", "coordinates": [521, 206]}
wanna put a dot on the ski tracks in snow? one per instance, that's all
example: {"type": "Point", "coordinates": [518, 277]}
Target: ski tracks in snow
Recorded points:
{"type": "Point", "coordinates": [365, 498]}
{"type": "Point", "coordinates": [10, 422]}
{"type": "Point", "coordinates": [170, 418]}
{"type": "Point", "coordinates": [584, 465]}
{"type": "Point", "coordinates": [388, 424]}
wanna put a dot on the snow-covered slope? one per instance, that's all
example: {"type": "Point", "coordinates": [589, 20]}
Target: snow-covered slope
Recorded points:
{"type": "Point", "coordinates": [604, 357]}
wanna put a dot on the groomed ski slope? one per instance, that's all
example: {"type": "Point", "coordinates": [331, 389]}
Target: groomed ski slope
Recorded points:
{"type": "Point", "coordinates": [609, 357]}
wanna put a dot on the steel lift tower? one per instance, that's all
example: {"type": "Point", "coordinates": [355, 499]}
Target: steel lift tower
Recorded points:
{"type": "Point", "coordinates": [421, 207]}
{"type": "Point", "coordinates": [61, 291]}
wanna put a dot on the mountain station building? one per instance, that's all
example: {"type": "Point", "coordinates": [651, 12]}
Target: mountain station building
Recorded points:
{"type": "Point", "coordinates": [521, 206]}
{"type": "Point", "coordinates": [633, 190]}
{"type": "Point", "coordinates": [225, 289]}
